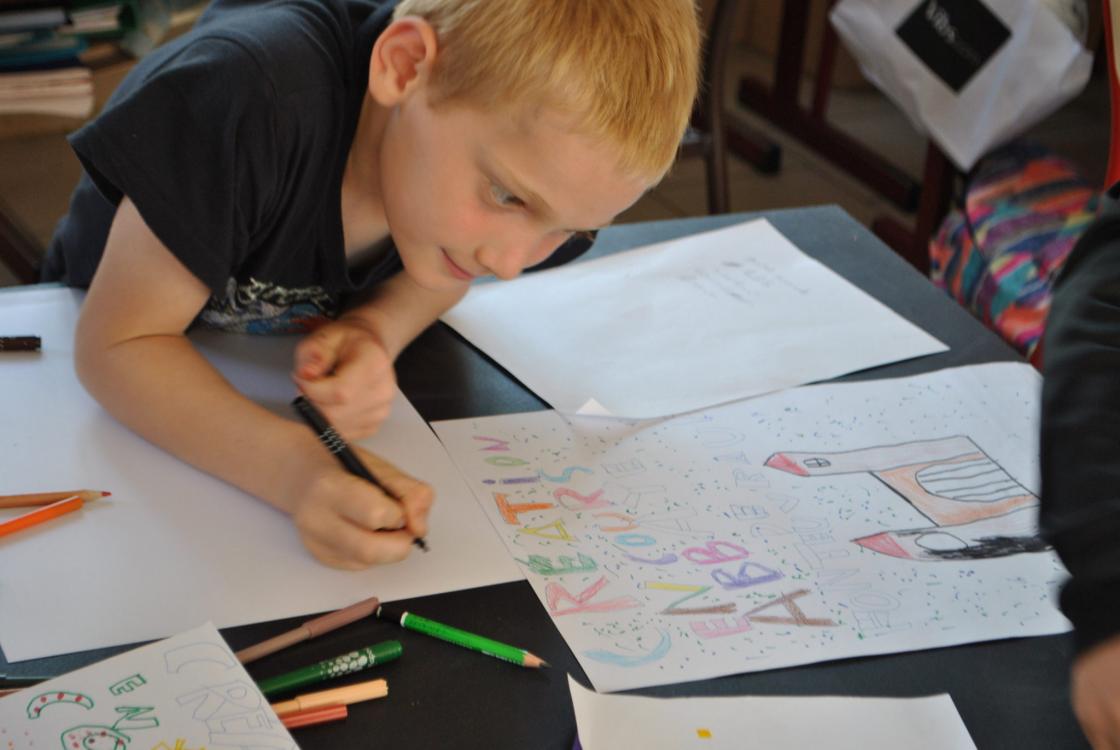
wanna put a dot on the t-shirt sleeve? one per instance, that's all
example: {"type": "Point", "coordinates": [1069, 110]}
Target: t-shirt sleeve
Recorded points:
{"type": "Point", "coordinates": [193, 146]}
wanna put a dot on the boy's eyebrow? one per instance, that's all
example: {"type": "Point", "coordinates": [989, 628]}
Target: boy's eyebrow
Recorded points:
{"type": "Point", "coordinates": [504, 176]}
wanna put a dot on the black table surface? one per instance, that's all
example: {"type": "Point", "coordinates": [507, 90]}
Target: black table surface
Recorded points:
{"type": "Point", "coordinates": [1011, 694]}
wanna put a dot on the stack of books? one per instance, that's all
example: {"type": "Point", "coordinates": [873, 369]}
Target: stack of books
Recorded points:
{"type": "Point", "coordinates": [41, 41]}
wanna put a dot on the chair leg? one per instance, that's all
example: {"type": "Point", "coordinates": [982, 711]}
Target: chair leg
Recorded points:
{"type": "Point", "coordinates": [18, 249]}
{"type": "Point", "coordinates": [938, 177]}
{"type": "Point", "coordinates": [780, 104]}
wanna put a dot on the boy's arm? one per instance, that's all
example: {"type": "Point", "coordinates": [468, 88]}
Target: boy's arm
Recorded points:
{"type": "Point", "coordinates": [401, 309]}
{"type": "Point", "coordinates": [346, 367]}
{"type": "Point", "coordinates": [132, 356]}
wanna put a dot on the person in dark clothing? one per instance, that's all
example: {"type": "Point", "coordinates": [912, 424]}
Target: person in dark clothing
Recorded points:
{"type": "Point", "coordinates": [1080, 464]}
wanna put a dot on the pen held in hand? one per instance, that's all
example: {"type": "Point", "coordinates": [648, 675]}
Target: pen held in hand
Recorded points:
{"type": "Point", "coordinates": [329, 437]}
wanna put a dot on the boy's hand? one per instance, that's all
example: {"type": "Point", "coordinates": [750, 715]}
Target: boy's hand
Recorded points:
{"type": "Point", "coordinates": [344, 369]}
{"type": "Point", "coordinates": [348, 523]}
{"type": "Point", "coordinates": [1095, 693]}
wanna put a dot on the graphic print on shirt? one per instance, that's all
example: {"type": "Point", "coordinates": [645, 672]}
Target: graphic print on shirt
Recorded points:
{"type": "Point", "coordinates": [261, 307]}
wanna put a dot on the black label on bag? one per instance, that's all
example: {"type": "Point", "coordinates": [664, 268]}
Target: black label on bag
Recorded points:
{"type": "Point", "coordinates": [954, 38]}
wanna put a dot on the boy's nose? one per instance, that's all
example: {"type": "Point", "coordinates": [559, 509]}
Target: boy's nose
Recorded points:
{"type": "Point", "coordinates": [509, 260]}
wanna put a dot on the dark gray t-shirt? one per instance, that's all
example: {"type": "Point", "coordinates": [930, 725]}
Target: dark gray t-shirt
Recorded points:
{"type": "Point", "coordinates": [232, 141]}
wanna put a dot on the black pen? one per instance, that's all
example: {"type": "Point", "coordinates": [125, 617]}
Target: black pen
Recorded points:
{"type": "Point", "coordinates": [20, 343]}
{"type": "Point", "coordinates": [336, 445]}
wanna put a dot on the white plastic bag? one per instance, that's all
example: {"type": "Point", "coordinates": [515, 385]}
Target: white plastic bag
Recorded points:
{"type": "Point", "coordinates": [972, 74]}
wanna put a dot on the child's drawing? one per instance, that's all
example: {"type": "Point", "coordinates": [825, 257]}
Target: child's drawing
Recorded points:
{"type": "Point", "coordinates": [194, 694]}
{"type": "Point", "coordinates": [977, 509]}
{"type": "Point", "coordinates": [127, 685]}
{"type": "Point", "coordinates": [38, 703]}
{"type": "Point", "coordinates": [684, 548]}
{"type": "Point", "coordinates": [112, 736]}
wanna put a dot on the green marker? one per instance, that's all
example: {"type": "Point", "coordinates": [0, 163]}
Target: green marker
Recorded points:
{"type": "Point", "coordinates": [462, 638]}
{"type": "Point", "coordinates": [355, 661]}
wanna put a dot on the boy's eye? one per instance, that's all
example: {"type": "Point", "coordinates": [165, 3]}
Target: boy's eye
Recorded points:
{"type": "Point", "coordinates": [503, 197]}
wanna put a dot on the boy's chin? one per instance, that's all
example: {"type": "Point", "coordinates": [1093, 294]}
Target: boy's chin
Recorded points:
{"type": "Point", "coordinates": [436, 282]}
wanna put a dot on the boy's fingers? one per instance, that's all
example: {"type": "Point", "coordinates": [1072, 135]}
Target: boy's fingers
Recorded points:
{"type": "Point", "coordinates": [395, 480]}
{"type": "Point", "coordinates": [368, 508]}
{"type": "Point", "coordinates": [414, 497]}
{"type": "Point", "coordinates": [417, 505]}
{"type": "Point", "coordinates": [341, 544]}
{"type": "Point", "coordinates": [314, 355]}
{"type": "Point", "coordinates": [323, 392]}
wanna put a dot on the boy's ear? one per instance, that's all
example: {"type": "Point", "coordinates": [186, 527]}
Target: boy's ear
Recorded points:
{"type": "Point", "coordinates": [401, 60]}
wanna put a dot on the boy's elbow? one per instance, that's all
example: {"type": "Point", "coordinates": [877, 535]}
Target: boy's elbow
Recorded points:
{"type": "Point", "coordinates": [90, 352]}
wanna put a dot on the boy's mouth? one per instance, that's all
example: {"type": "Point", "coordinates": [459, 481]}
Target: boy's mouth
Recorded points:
{"type": "Point", "coordinates": [456, 270]}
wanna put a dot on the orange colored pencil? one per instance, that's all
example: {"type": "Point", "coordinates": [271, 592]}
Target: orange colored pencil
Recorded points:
{"type": "Point", "coordinates": [313, 716]}
{"type": "Point", "coordinates": [39, 515]}
{"type": "Point", "coordinates": [46, 498]}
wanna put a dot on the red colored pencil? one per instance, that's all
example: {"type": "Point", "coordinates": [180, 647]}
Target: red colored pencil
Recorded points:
{"type": "Point", "coordinates": [39, 515]}
{"type": "Point", "coordinates": [313, 716]}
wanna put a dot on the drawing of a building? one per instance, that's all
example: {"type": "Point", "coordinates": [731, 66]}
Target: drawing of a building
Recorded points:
{"type": "Point", "coordinates": [977, 509]}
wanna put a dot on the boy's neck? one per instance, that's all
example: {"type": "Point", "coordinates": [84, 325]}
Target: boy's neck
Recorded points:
{"type": "Point", "coordinates": [363, 210]}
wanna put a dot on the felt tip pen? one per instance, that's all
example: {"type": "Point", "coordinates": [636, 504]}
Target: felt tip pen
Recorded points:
{"type": "Point", "coordinates": [329, 437]}
{"type": "Point", "coordinates": [310, 629]}
{"type": "Point", "coordinates": [343, 696]}
{"type": "Point", "coordinates": [355, 661]}
{"type": "Point", "coordinates": [462, 638]}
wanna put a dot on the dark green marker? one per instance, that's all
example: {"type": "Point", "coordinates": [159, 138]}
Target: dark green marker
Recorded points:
{"type": "Point", "coordinates": [355, 661]}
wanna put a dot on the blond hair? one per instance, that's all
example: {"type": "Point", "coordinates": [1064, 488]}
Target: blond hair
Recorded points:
{"type": "Point", "coordinates": [625, 69]}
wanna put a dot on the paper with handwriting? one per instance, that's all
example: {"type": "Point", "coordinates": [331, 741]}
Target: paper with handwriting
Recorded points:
{"type": "Point", "coordinates": [818, 523]}
{"type": "Point", "coordinates": [684, 324]}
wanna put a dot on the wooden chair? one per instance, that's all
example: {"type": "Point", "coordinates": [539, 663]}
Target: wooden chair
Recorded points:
{"type": "Point", "coordinates": [19, 250]}
{"type": "Point", "coordinates": [706, 134]}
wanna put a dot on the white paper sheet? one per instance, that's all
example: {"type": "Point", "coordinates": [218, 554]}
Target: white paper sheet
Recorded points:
{"type": "Point", "coordinates": [606, 722]}
{"type": "Point", "coordinates": [685, 324]}
{"type": "Point", "coordinates": [188, 691]}
{"type": "Point", "coordinates": [819, 523]}
{"type": "Point", "coordinates": [172, 544]}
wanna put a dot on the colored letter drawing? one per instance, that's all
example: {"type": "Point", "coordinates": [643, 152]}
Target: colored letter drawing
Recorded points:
{"type": "Point", "coordinates": [684, 548]}
{"type": "Point", "coordinates": [188, 692]}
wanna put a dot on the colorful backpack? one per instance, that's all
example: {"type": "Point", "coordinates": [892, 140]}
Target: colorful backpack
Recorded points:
{"type": "Point", "coordinates": [1024, 209]}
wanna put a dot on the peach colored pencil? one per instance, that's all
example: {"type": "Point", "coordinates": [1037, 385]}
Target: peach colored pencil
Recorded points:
{"type": "Point", "coordinates": [360, 691]}
{"type": "Point", "coordinates": [46, 498]}
{"type": "Point", "coordinates": [313, 716]}
{"type": "Point", "coordinates": [39, 515]}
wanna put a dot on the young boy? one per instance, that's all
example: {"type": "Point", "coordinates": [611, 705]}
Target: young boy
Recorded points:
{"type": "Point", "coordinates": [284, 155]}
